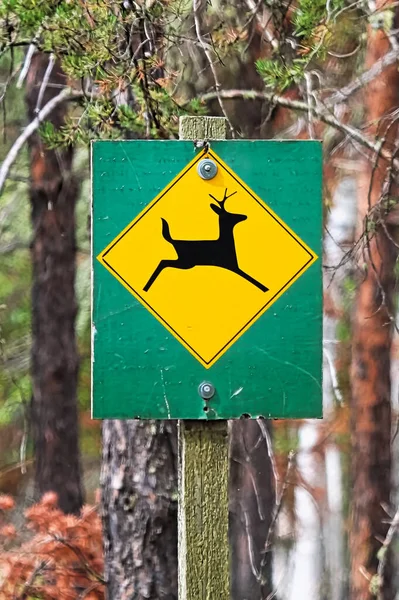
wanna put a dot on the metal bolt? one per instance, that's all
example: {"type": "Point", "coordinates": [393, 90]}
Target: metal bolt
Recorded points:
{"type": "Point", "coordinates": [206, 390]}
{"type": "Point", "coordinates": [207, 168]}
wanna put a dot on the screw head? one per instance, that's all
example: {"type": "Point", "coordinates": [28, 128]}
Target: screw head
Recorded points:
{"type": "Point", "coordinates": [207, 168]}
{"type": "Point", "coordinates": [206, 390]}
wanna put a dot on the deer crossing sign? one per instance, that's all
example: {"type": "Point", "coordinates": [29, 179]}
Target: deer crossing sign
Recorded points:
{"type": "Point", "coordinates": [199, 240]}
{"type": "Point", "coordinates": [207, 259]}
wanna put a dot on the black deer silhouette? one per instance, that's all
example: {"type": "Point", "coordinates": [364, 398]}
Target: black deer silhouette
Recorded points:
{"type": "Point", "coordinates": [216, 253]}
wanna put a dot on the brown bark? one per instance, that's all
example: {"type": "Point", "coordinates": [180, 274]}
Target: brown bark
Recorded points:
{"type": "Point", "coordinates": [252, 500]}
{"type": "Point", "coordinates": [372, 332]}
{"type": "Point", "coordinates": [53, 194]}
{"type": "Point", "coordinates": [139, 509]}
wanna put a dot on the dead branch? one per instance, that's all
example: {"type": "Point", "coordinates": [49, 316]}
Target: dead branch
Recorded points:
{"type": "Point", "coordinates": [383, 553]}
{"type": "Point", "coordinates": [65, 95]}
{"type": "Point", "coordinates": [208, 54]}
{"type": "Point", "coordinates": [342, 95]}
{"type": "Point", "coordinates": [299, 105]}
{"type": "Point", "coordinates": [28, 584]}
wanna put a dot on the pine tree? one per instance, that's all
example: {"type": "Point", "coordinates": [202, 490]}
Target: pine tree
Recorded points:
{"type": "Point", "coordinates": [53, 193]}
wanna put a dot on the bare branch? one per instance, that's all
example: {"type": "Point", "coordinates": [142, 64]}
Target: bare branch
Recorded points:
{"type": "Point", "coordinates": [309, 94]}
{"type": "Point", "coordinates": [383, 553]}
{"type": "Point", "coordinates": [63, 96]}
{"type": "Point", "coordinates": [342, 95]}
{"type": "Point", "coordinates": [333, 376]}
{"type": "Point", "coordinates": [28, 59]}
{"type": "Point", "coordinates": [208, 54]}
{"type": "Point", "coordinates": [263, 20]}
{"type": "Point", "coordinates": [301, 106]}
{"type": "Point", "coordinates": [50, 66]}
{"type": "Point", "coordinates": [251, 554]}
{"type": "Point", "coordinates": [269, 446]}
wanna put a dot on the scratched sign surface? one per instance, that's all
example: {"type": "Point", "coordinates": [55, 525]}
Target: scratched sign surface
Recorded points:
{"type": "Point", "coordinates": [200, 280]}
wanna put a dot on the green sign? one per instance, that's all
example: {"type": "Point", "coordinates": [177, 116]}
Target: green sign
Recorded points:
{"type": "Point", "coordinates": [207, 295]}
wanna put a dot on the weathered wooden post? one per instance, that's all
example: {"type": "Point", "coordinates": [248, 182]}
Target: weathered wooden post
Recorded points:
{"type": "Point", "coordinates": [184, 227]}
{"type": "Point", "coordinates": [204, 565]}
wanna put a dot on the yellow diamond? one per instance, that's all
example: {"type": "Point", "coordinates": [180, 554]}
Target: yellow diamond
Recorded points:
{"type": "Point", "coordinates": [207, 258]}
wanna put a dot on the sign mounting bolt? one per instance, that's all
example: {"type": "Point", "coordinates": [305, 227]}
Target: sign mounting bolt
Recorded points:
{"type": "Point", "coordinates": [206, 390]}
{"type": "Point", "coordinates": [207, 168]}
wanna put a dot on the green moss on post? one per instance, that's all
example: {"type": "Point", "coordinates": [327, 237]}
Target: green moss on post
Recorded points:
{"type": "Point", "coordinates": [204, 565]}
{"type": "Point", "coordinates": [204, 556]}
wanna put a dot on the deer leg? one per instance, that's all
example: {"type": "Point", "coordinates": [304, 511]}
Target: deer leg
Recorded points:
{"type": "Point", "coordinates": [259, 285]}
{"type": "Point", "coordinates": [162, 265]}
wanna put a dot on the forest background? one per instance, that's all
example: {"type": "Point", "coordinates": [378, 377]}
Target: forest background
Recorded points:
{"type": "Point", "coordinates": [313, 504]}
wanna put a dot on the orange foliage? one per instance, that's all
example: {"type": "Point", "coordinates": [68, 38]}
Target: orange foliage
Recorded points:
{"type": "Point", "coordinates": [62, 560]}
{"type": "Point", "coordinates": [6, 503]}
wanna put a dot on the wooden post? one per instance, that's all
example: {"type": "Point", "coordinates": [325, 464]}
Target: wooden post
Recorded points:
{"type": "Point", "coordinates": [203, 552]}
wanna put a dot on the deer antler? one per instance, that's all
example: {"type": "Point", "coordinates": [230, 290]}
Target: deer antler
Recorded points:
{"type": "Point", "coordinates": [225, 197]}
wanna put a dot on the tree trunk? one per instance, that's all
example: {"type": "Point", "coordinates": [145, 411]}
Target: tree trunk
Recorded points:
{"type": "Point", "coordinates": [53, 194]}
{"type": "Point", "coordinates": [371, 346]}
{"type": "Point", "coordinates": [252, 501]}
{"type": "Point", "coordinates": [139, 500]}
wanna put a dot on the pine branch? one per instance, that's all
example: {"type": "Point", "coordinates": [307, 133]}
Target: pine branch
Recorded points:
{"type": "Point", "coordinates": [29, 583]}
{"type": "Point", "coordinates": [81, 557]}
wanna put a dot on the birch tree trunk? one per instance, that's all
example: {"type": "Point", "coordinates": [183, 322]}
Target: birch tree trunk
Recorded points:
{"type": "Point", "coordinates": [341, 227]}
{"type": "Point", "coordinates": [53, 194]}
{"type": "Point", "coordinates": [372, 334]}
